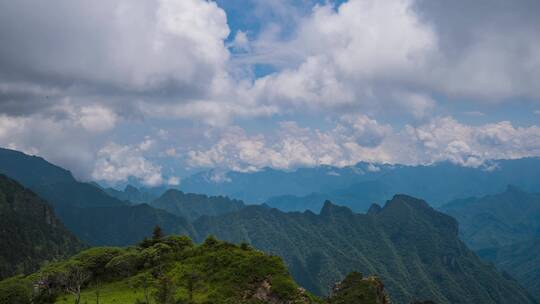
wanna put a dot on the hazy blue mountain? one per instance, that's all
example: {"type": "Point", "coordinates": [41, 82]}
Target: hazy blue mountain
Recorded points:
{"type": "Point", "coordinates": [192, 206]}
{"type": "Point", "coordinates": [438, 183]}
{"type": "Point", "coordinates": [54, 184]}
{"type": "Point", "coordinates": [510, 217]}
{"type": "Point", "coordinates": [30, 233]}
{"type": "Point", "coordinates": [86, 209]}
{"type": "Point", "coordinates": [359, 197]}
{"type": "Point", "coordinates": [258, 187]}
{"type": "Point", "coordinates": [504, 228]}
{"type": "Point", "coordinates": [122, 225]}
{"type": "Point", "coordinates": [413, 248]}
{"type": "Point", "coordinates": [136, 195]}
{"type": "Point", "coordinates": [521, 260]}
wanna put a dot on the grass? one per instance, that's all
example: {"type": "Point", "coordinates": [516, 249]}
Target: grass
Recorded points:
{"type": "Point", "coordinates": [114, 293]}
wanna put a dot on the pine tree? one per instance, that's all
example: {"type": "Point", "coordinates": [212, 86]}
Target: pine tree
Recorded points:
{"type": "Point", "coordinates": [157, 234]}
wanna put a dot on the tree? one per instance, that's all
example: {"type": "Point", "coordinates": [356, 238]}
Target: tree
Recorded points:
{"type": "Point", "coordinates": [144, 282]}
{"type": "Point", "coordinates": [76, 278]}
{"type": "Point", "coordinates": [191, 281]}
{"type": "Point", "coordinates": [166, 290]}
{"type": "Point", "coordinates": [157, 234]}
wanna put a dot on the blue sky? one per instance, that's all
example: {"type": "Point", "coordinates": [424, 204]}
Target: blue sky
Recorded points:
{"type": "Point", "coordinates": [154, 91]}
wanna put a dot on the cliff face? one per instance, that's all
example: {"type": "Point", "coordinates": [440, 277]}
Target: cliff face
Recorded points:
{"type": "Point", "coordinates": [30, 232]}
{"type": "Point", "coordinates": [414, 249]}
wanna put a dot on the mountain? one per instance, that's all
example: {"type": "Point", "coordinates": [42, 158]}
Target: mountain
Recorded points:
{"type": "Point", "coordinates": [122, 225]}
{"type": "Point", "coordinates": [359, 197]}
{"type": "Point", "coordinates": [413, 248]}
{"type": "Point", "coordinates": [136, 195]}
{"type": "Point", "coordinates": [174, 270]}
{"type": "Point", "coordinates": [438, 183]}
{"type": "Point", "coordinates": [521, 260]}
{"type": "Point", "coordinates": [54, 184]}
{"type": "Point", "coordinates": [510, 217]}
{"type": "Point", "coordinates": [192, 206]}
{"type": "Point", "coordinates": [505, 229]}
{"type": "Point", "coordinates": [85, 209]}
{"type": "Point", "coordinates": [30, 232]}
{"type": "Point", "coordinates": [258, 187]}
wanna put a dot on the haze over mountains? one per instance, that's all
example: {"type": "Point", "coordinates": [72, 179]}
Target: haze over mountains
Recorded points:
{"type": "Point", "coordinates": [503, 228]}
{"type": "Point", "coordinates": [437, 184]}
{"type": "Point", "coordinates": [413, 248]}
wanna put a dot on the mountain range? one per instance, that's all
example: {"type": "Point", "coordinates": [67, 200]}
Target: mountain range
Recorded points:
{"type": "Point", "coordinates": [437, 183]}
{"type": "Point", "coordinates": [413, 248]}
{"type": "Point", "coordinates": [504, 228]}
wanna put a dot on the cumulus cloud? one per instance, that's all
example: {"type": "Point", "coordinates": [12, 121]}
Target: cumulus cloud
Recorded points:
{"type": "Point", "coordinates": [361, 138]}
{"type": "Point", "coordinates": [62, 141]}
{"type": "Point", "coordinates": [375, 55]}
{"type": "Point", "coordinates": [294, 146]}
{"type": "Point", "coordinates": [116, 163]}
{"type": "Point", "coordinates": [122, 54]}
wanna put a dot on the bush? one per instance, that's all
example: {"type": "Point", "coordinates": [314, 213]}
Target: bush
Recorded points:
{"type": "Point", "coordinates": [125, 264]}
{"type": "Point", "coordinates": [15, 290]}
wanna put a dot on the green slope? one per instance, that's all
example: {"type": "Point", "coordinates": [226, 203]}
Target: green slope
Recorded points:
{"type": "Point", "coordinates": [172, 270]}
{"type": "Point", "coordinates": [521, 260]}
{"type": "Point", "coordinates": [30, 233]}
{"type": "Point", "coordinates": [413, 248]}
{"type": "Point", "coordinates": [510, 217]}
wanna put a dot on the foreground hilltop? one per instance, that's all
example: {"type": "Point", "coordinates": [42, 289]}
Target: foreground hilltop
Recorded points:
{"type": "Point", "coordinates": [174, 270]}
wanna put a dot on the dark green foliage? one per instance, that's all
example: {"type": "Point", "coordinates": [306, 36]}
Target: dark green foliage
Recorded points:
{"type": "Point", "coordinates": [165, 290]}
{"type": "Point", "coordinates": [413, 248]}
{"type": "Point", "coordinates": [172, 270]}
{"type": "Point", "coordinates": [29, 230]}
{"type": "Point", "coordinates": [157, 234]}
{"type": "Point", "coordinates": [192, 206]}
{"type": "Point", "coordinates": [15, 290]}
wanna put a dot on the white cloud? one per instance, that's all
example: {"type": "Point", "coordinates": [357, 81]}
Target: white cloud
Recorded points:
{"type": "Point", "coordinates": [378, 55]}
{"type": "Point", "coordinates": [97, 118]}
{"type": "Point", "coordinates": [61, 141]}
{"type": "Point", "coordinates": [361, 138]}
{"type": "Point", "coordinates": [116, 163]}
{"type": "Point", "coordinates": [293, 146]}
{"type": "Point", "coordinates": [173, 181]}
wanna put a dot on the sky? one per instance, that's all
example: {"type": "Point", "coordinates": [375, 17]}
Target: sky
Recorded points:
{"type": "Point", "coordinates": [156, 90]}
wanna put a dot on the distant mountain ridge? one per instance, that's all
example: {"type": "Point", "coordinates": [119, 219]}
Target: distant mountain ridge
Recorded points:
{"type": "Point", "coordinates": [413, 248]}
{"type": "Point", "coordinates": [438, 183]}
{"type": "Point", "coordinates": [192, 206]}
{"type": "Point", "coordinates": [497, 220]}
{"type": "Point", "coordinates": [504, 228]}
{"type": "Point", "coordinates": [136, 195]}
{"type": "Point", "coordinates": [29, 230]}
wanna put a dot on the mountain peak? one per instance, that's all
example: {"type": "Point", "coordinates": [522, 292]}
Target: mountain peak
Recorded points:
{"type": "Point", "coordinates": [374, 209]}
{"type": "Point", "coordinates": [513, 189]}
{"type": "Point", "coordinates": [408, 200]}
{"type": "Point", "coordinates": [330, 209]}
